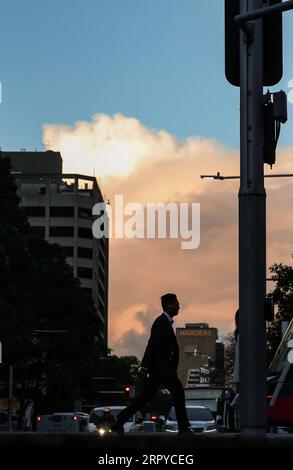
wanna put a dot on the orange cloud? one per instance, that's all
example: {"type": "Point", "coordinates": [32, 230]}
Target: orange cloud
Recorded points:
{"type": "Point", "coordinates": [153, 166]}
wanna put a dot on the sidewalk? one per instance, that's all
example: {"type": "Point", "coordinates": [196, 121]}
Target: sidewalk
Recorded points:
{"type": "Point", "coordinates": [145, 442]}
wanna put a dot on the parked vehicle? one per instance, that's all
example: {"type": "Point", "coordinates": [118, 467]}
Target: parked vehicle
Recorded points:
{"type": "Point", "coordinates": [62, 422]}
{"type": "Point", "coordinates": [200, 418]}
{"type": "Point", "coordinates": [144, 426]}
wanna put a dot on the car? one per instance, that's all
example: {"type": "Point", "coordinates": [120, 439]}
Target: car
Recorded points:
{"type": "Point", "coordinates": [144, 426]}
{"type": "Point", "coordinates": [62, 422]}
{"type": "Point", "coordinates": [200, 418]}
{"type": "Point", "coordinates": [96, 414]}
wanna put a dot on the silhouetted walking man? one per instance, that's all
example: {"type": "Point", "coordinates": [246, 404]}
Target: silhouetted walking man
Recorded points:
{"type": "Point", "coordinates": [159, 367]}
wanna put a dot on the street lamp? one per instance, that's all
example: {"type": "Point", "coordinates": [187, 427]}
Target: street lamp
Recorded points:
{"type": "Point", "coordinates": [218, 176]}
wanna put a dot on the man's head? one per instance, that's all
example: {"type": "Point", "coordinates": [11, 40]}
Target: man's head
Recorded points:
{"type": "Point", "coordinates": [170, 304]}
{"type": "Point", "coordinates": [106, 410]}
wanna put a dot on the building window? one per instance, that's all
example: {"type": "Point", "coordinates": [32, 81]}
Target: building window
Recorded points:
{"type": "Point", "coordinates": [86, 273]}
{"type": "Point", "coordinates": [103, 241]}
{"type": "Point", "coordinates": [85, 213]}
{"type": "Point", "coordinates": [102, 253]}
{"type": "Point", "coordinates": [67, 251]}
{"type": "Point", "coordinates": [61, 211]}
{"type": "Point", "coordinates": [85, 233]}
{"type": "Point", "coordinates": [35, 211]}
{"type": "Point", "coordinates": [88, 290]}
{"type": "Point", "coordinates": [101, 307]}
{"type": "Point", "coordinates": [101, 275]}
{"type": "Point", "coordinates": [61, 231]}
{"type": "Point", "coordinates": [85, 253]}
{"type": "Point", "coordinates": [38, 231]}
{"type": "Point", "coordinates": [101, 286]}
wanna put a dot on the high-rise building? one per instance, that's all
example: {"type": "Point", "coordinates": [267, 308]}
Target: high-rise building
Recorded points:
{"type": "Point", "coordinates": [59, 207]}
{"type": "Point", "coordinates": [201, 355]}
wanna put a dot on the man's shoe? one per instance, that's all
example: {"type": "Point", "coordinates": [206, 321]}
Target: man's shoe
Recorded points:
{"type": "Point", "coordinates": [117, 428]}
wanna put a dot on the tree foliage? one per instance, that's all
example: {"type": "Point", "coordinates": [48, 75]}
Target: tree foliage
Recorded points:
{"type": "Point", "coordinates": [119, 368]}
{"type": "Point", "coordinates": [38, 292]}
{"type": "Point", "coordinates": [283, 297]}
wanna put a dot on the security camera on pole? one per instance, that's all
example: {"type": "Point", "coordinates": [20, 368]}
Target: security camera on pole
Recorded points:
{"type": "Point", "coordinates": [253, 34]}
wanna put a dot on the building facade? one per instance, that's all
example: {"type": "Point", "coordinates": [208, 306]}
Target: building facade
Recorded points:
{"type": "Point", "coordinates": [201, 355]}
{"type": "Point", "coordinates": [59, 208]}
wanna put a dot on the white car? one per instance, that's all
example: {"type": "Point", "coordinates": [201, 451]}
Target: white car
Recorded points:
{"type": "Point", "coordinates": [97, 413]}
{"type": "Point", "coordinates": [144, 426]}
{"type": "Point", "coordinates": [63, 422]}
{"type": "Point", "coordinates": [200, 418]}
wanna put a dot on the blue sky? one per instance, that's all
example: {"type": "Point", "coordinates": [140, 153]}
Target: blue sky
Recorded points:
{"type": "Point", "coordinates": [161, 61]}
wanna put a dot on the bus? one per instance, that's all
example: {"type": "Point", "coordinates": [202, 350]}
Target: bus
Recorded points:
{"type": "Point", "coordinates": [280, 384]}
{"type": "Point", "coordinates": [208, 396]}
{"type": "Point", "coordinates": [217, 399]}
{"type": "Point", "coordinates": [279, 393]}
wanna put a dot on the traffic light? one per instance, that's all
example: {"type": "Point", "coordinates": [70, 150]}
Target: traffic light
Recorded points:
{"type": "Point", "coordinates": [275, 114]}
{"type": "Point", "coordinates": [270, 144]}
{"type": "Point", "coordinates": [272, 44]}
{"type": "Point", "coordinates": [232, 38]}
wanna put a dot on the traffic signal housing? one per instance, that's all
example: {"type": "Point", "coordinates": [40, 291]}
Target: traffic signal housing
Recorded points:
{"type": "Point", "coordinates": [275, 114]}
{"type": "Point", "coordinates": [272, 44]}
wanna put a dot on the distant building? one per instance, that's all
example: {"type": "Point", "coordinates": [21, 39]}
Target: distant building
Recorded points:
{"type": "Point", "coordinates": [201, 355]}
{"type": "Point", "coordinates": [59, 208]}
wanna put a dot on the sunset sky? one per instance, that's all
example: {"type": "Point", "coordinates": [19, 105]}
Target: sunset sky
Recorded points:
{"type": "Point", "coordinates": [134, 92]}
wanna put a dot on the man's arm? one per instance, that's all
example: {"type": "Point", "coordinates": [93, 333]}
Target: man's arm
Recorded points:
{"type": "Point", "coordinates": [157, 335]}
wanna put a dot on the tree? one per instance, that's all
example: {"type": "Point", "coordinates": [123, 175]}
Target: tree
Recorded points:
{"type": "Point", "coordinates": [119, 368]}
{"type": "Point", "coordinates": [283, 297]}
{"type": "Point", "coordinates": [38, 291]}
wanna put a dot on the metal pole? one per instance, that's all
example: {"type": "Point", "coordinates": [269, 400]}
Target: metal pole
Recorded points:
{"type": "Point", "coordinates": [266, 11]}
{"type": "Point", "coordinates": [252, 229]}
{"type": "Point", "coordinates": [10, 398]}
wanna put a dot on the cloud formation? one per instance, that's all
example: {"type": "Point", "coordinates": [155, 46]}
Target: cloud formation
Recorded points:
{"type": "Point", "coordinates": [146, 165]}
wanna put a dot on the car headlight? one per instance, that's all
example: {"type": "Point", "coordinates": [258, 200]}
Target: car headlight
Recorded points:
{"type": "Point", "coordinates": [211, 428]}
{"type": "Point", "coordinates": [101, 431]}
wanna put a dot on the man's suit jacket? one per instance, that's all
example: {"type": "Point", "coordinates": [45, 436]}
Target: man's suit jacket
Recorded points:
{"type": "Point", "coordinates": [161, 356]}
